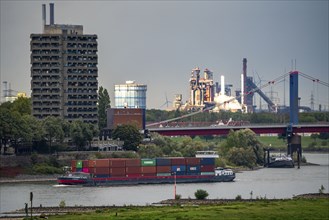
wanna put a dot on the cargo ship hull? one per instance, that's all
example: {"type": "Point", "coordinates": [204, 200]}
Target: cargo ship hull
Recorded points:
{"type": "Point", "coordinates": [133, 171]}
{"type": "Point", "coordinates": [114, 181]}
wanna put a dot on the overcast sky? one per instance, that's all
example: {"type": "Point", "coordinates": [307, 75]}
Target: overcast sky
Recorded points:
{"type": "Point", "coordinates": [158, 43]}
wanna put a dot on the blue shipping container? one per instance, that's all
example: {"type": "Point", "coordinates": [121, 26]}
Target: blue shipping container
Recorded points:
{"type": "Point", "coordinates": [102, 175]}
{"type": "Point", "coordinates": [78, 170]}
{"type": "Point", "coordinates": [207, 161]}
{"type": "Point", "coordinates": [192, 169]}
{"type": "Point", "coordinates": [178, 168]}
{"type": "Point", "coordinates": [163, 161]}
{"type": "Point", "coordinates": [180, 173]}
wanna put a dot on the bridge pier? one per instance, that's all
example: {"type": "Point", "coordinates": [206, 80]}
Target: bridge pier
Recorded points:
{"type": "Point", "coordinates": [294, 145]}
{"type": "Point", "coordinates": [294, 140]}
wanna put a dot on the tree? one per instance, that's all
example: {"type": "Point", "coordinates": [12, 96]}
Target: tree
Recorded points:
{"type": "Point", "coordinates": [129, 134]}
{"type": "Point", "coordinates": [149, 151]}
{"type": "Point", "coordinates": [103, 103]}
{"type": "Point", "coordinates": [82, 133]}
{"type": "Point", "coordinates": [53, 130]}
{"type": "Point", "coordinates": [8, 127]}
{"type": "Point", "coordinates": [35, 129]}
{"type": "Point", "coordinates": [242, 157]}
{"type": "Point", "coordinates": [243, 142]}
{"type": "Point", "coordinates": [22, 105]}
{"type": "Point", "coordinates": [76, 134]}
{"type": "Point", "coordinates": [14, 126]}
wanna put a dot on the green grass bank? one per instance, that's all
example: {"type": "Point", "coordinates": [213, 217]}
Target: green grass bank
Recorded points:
{"type": "Point", "coordinates": [256, 209]}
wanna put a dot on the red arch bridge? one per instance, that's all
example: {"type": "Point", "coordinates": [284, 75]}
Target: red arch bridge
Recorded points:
{"type": "Point", "coordinates": [224, 130]}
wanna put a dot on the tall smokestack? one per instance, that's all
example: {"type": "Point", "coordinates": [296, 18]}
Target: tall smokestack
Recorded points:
{"type": "Point", "coordinates": [51, 5]}
{"type": "Point", "coordinates": [43, 17]}
{"type": "Point", "coordinates": [244, 82]}
{"type": "Point", "coordinates": [222, 85]}
{"type": "Point", "coordinates": [242, 90]}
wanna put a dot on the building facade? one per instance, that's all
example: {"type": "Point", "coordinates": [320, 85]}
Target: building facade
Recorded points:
{"type": "Point", "coordinates": [130, 95]}
{"type": "Point", "coordinates": [125, 116]}
{"type": "Point", "coordinates": [64, 73]}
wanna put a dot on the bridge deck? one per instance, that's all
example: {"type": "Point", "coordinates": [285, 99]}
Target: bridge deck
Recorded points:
{"type": "Point", "coordinates": [224, 130]}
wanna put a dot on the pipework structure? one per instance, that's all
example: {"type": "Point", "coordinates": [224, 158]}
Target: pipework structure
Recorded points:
{"type": "Point", "coordinates": [64, 72]}
{"type": "Point", "coordinates": [201, 89]}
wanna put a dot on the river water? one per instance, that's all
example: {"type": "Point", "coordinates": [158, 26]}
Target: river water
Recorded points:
{"type": "Point", "coordinates": [268, 182]}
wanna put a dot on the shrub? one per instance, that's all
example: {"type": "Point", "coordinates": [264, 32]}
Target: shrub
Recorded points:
{"type": "Point", "coordinates": [62, 204]}
{"type": "Point", "coordinates": [321, 190]}
{"type": "Point", "coordinates": [220, 162]}
{"type": "Point", "coordinates": [178, 196]}
{"type": "Point", "coordinates": [34, 158]}
{"type": "Point", "coordinates": [201, 194]}
{"type": "Point", "coordinates": [312, 146]}
{"type": "Point", "coordinates": [46, 169]}
{"type": "Point", "coordinates": [238, 197]}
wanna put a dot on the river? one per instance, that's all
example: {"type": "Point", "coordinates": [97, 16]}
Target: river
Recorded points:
{"type": "Point", "coordinates": [268, 182]}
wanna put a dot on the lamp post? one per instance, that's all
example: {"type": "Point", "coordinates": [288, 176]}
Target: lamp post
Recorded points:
{"type": "Point", "coordinates": [174, 185]}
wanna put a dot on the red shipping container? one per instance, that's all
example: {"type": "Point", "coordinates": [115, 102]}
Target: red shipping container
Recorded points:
{"type": "Point", "coordinates": [85, 170]}
{"type": "Point", "coordinates": [133, 162]}
{"type": "Point", "coordinates": [91, 163]}
{"type": "Point", "coordinates": [102, 170]}
{"type": "Point", "coordinates": [85, 163]}
{"type": "Point", "coordinates": [74, 169]}
{"type": "Point", "coordinates": [163, 169]}
{"type": "Point", "coordinates": [92, 170]}
{"type": "Point", "coordinates": [148, 170]}
{"type": "Point", "coordinates": [207, 168]}
{"type": "Point", "coordinates": [133, 175]}
{"type": "Point", "coordinates": [102, 163]}
{"type": "Point", "coordinates": [192, 161]}
{"type": "Point", "coordinates": [130, 170]}
{"type": "Point", "coordinates": [178, 161]}
{"type": "Point", "coordinates": [118, 171]}
{"type": "Point", "coordinates": [117, 162]}
{"type": "Point", "coordinates": [149, 174]}
{"type": "Point", "coordinates": [74, 164]}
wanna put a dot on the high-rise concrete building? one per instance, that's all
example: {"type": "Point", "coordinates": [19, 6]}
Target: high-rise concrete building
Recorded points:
{"type": "Point", "coordinates": [130, 95]}
{"type": "Point", "coordinates": [64, 72]}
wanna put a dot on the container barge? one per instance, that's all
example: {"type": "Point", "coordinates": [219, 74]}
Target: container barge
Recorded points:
{"type": "Point", "coordinates": [124, 171]}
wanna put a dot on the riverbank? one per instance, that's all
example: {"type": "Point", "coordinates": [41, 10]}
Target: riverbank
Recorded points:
{"type": "Point", "coordinates": [25, 178]}
{"type": "Point", "coordinates": [316, 204]}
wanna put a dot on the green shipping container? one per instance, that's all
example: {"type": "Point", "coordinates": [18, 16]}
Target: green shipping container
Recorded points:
{"type": "Point", "coordinates": [148, 162]}
{"type": "Point", "coordinates": [208, 173]}
{"type": "Point", "coordinates": [79, 163]}
{"type": "Point", "coordinates": [163, 174]}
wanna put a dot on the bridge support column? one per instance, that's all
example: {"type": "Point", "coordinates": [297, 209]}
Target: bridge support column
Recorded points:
{"type": "Point", "coordinates": [294, 97]}
{"type": "Point", "coordinates": [294, 145]}
{"type": "Point", "coordinates": [294, 140]}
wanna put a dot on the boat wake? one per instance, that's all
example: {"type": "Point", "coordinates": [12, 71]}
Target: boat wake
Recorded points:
{"type": "Point", "coordinates": [61, 185]}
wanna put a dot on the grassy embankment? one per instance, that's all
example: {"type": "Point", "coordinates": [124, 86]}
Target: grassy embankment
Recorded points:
{"type": "Point", "coordinates": [263, 209]}
{"type": "Point", "coordinates": [308, 144]}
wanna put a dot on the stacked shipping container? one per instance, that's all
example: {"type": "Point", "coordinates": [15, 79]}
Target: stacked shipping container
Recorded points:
{"type": "Point", "coordinates": [125, 167]}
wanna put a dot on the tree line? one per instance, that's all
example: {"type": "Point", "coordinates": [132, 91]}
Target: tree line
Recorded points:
{"type": "Point", "coordinates": [18, 128]}
{"type": "Point", "coordinates": [156, 115]}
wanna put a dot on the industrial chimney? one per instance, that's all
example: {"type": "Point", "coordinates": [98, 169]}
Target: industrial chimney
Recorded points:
{"type": "Point", "coordinates": [244, 80]}
{"type": "Point", "coordinates": [43, 17]}
{"type": "Point", "coordinates": [222, 85]}
{"type": "Point", "coordinates": [51, 5]}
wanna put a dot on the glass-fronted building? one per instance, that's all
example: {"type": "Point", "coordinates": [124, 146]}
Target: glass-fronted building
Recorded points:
{"type": "Point", "coordinates": [130, 95]}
